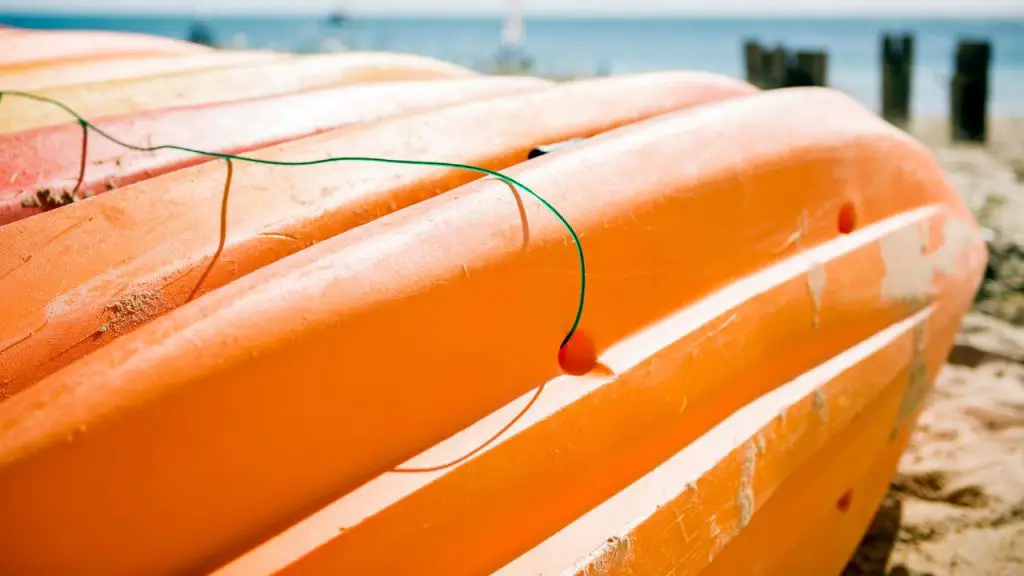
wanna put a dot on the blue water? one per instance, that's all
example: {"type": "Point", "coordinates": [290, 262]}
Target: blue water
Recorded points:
{"type": "Point", "coordinates": [573, 46]}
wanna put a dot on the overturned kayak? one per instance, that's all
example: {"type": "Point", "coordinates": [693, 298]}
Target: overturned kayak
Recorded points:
{"type": "Point", "coordinates": [32, 47]}
{"type": "Point", "coordinates": [790, 360]}
{"type": "Point", "coordinates": [98, 99]}
{"type": "Point", "coordinates": [43, 168]}
{"type": "Point", "coordinates": [147, 248]}
{"type": "Point", "coordinates": [66, 73]}
{"type": "Point", "coordinates": [763, 314]}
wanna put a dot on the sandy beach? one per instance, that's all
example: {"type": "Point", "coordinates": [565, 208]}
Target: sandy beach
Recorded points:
{"type": "Point", "coordinates": [956, 506]}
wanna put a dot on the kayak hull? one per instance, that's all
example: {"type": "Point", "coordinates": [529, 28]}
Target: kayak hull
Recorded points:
{"type": "Point", "coordinates": [305, 414]}
{"type": "Point", "coordinates": [275, 210]}
{"type": "Point", "coordinates": [240, 82]}
{"type": "Point", "coordinates": [60, 73]}
{"type": "Point", "coordinates": [39, 169]}
{"type": "Point", "coordinates": [27, 48]}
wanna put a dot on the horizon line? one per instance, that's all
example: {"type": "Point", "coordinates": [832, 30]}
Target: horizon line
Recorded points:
{"type": "Point", "coordinates": [355, 15]}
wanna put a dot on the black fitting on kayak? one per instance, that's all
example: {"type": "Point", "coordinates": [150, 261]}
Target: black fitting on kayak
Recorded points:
{"type": "Point", "coordinates": [546, 148]}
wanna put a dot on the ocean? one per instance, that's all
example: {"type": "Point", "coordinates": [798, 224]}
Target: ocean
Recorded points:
{"type": "Point", "coordinates": [568, 47]}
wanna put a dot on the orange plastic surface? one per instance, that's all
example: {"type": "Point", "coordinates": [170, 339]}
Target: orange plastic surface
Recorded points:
{"type": "Point", "coordinates": [33, 47]}
{"type": "Point", "coordinates": [119, 97]}
{"type": "Point", "coordinates": [141, 250]}
{"type": "Point", "coordinates": [784, 469]}
{"type": "Point", "coordinates": [39, 169]}
{"type": "Point", "coordinates": [664, 386]}
{"type": "Point", "coordinates": [66, 73]}
{"type": "Point", "coordinates": [733, 250]}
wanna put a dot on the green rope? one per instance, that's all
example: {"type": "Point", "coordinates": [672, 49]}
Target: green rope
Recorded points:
{"type": "Point", "coordinates": [86, 126]}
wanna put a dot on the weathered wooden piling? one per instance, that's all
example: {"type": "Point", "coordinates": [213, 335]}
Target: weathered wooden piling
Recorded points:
{"type": "Point", "coordinates": [969, 91]}
{"type": "Point", "coordinates": [778, 67]}
{"type": "Point", "coordinates": [753, 57]}
{"type": "Point", "coordinates": [897, 72]}
{"type": "Point", "coordinates": [811, 67]}
{"type": "Point", "coordinates": [776, 64]}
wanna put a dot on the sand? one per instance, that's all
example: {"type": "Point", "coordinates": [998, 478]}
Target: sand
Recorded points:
{"type": "Point", "coordinates": [956, 506]}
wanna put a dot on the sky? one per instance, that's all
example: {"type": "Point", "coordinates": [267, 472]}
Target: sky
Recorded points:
{"type": "Point", "coordinates": [979, 8]}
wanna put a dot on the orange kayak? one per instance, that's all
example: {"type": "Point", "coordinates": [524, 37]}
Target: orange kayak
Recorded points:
{"type": "Point", "coordinates": [32, 47]}
{"type": "Point", "coordinates": [126, 272]}
{"type": "Point", "coordinates": [68, 73]}
{"type": "Point", "coordinates": [762, 387]}
{"type": "Point", "coordinates": [760, 303]}
{"type": "Point", "coordinates": [39, 169]}
{"type": "Point", "coordinates": [127, 96]}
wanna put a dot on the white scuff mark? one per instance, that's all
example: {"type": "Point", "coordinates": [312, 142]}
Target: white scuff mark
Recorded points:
{"type": "Point", "coordinates": [745, 495]}
{"type": "Point", "coordinates": [917, 381]}
{"type": "Point", "coordinates": [908, 271]}
{"type": "Point", "coordinates": [820, 408]}
{"type": "Point", "coordinates": [816, 283]}
{"type": "Point", "coordinates": [680, 521]}
{"type": "Point", "coordinates": [713, 332]}
{"type": "Point", "coordinates": [719, 538]}
{"type": "Point", "coordinates": [956, 235]}
{"type": "Point", "coordinates": [793, 238]}
{"type": "Point", "coordinates": [616, 551]}
{"type": "Point", "coordinates": [797, 235]}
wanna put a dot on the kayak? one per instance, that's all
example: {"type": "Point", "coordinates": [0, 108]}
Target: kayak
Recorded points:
{"type": "Point", "coordinates": [731, 388]}
{"type": "Point", "coordinates": [67, 73]}
{"type": "Point", "coordinates": [147, 248]}
{"type": "Point", "coordinates": [99, 99]}
{"type": "Point", "coordinates": [32, 47]}
{"type": "Point", "coordinates": [39, 169]}
{"type": "Point", "coordinates": [763, 314]}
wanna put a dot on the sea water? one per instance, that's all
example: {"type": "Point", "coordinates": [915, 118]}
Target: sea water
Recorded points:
{"type": "Point", "coordinates": [576, 47]}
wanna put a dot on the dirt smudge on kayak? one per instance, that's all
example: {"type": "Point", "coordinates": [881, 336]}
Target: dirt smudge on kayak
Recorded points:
{"type": "Point", "coordinates": [130, 311]}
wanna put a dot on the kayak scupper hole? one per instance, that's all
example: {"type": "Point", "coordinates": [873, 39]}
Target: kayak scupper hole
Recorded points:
{"type": "Point", "coordinates": [578, 356]}
{"type": "Point", "coordinates": [847, 218]}
{"type": "Point", "coordinates": [843, 504]}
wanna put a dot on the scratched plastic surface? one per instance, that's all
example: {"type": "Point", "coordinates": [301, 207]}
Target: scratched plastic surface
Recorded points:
{"type": "Point", "coordinates": [773, 282]}
{"type": "Point", "coordinates": [142, 249]}
{"type": "Point", "coordinates": [39, 169]}
{"type": "Point", "coordinates": [251, 80]}
{"type": "Point", "coordinates": [789, 359]}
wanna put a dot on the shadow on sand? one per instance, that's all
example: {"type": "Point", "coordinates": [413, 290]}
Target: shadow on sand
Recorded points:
{"type": "Point", "coordinates": [872, 556]}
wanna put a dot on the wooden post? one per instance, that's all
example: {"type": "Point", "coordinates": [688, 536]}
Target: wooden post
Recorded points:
{"type": "Point", "coordinates": [776, 63]}
{"type": "Point", "coordinates": [969, 91]}
{"type": "Point", "coordinates": [753, 56]}
{"type": "Point", "coordinates": [778, 68]}
{"type": "Point", "coordinates": [897, 71]}
{"type": "Point", "coordinates": [811, 69]}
